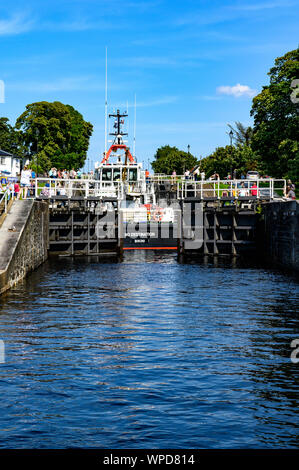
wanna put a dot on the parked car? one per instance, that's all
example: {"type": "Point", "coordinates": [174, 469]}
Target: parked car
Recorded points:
{"type": "Point", "coordinates": [266, 193]}
{"type": "Point", "coordinates": [252, 175]}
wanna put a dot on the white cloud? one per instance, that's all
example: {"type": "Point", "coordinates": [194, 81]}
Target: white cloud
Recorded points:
{"type": "Point", "coordinates": [237, 90]}
{"type": "Point", "coordinates": [17, 24]}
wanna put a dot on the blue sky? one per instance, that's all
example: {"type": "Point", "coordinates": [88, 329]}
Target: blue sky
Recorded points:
{"type": "Point", "coordinates": [194, 65]}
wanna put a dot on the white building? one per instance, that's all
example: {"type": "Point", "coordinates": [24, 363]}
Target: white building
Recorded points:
{"type": "Point", "coordinates": [10, 165]}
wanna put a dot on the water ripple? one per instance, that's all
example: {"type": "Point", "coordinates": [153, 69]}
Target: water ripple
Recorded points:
{"type": "Point", "coordinates": [149, 353]}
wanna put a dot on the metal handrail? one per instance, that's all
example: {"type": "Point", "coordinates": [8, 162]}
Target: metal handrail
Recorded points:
{"type": "Point", "coordinates": [183, 187]}
{"type": "Point", "coordinates": [6, 196]}
{"type": "Point", "coordinates": [211, 188]}
{"type": "Point", "coordinates": [48, 187]}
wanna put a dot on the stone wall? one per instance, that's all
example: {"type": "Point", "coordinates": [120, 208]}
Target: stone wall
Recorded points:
{"type": "Point", "coordinates": [23, 241]}
{"type": "Point", "coordinates": [280, 240]}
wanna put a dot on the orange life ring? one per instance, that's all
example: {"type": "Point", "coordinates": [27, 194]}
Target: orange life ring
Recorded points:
{"type": "Point", "coordinates": [158, 215]}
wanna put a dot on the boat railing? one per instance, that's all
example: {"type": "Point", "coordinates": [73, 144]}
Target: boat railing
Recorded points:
{"type": "Point", "coordinates": [49, 187]}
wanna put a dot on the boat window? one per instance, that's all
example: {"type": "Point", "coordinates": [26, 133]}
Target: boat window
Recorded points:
{"type": "Point", "coordinates": [133, 174]}
{"type": "Point", "coordinates": [116, 174]}
{"type": "Point", "coordinates": [107, 174]}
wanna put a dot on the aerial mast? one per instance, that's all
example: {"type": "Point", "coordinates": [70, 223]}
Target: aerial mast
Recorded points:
{"type": "Point", "coordinates": [118, 134]}
{"type": "Point", "coordinates": [134, 140]}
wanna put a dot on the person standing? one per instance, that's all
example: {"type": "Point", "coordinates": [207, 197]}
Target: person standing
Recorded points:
{"type": "Point", "coordinates": [147, 176]}
{"type": "Point", "coordinates": [25, 181]}
{"type": "Point", "coordinates": [291, 185]}
{"type": "Point", "coordinates": [291, 194]}
{"type": "Point", "coordinates": [17, 190]}
{"type": "Point", "coordinates": [73, 174]}
{"type": "Point", "coordinates": [242, 191]}
{"type": "Point", "coordinates": [254, 189]}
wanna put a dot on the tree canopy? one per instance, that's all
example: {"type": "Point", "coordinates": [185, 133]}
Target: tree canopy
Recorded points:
{"type": "Point", "coordinates": [8, 137]}
{"type": "Point", "coordinates": [168, 159]}
{"type": "Point", "coordinates": [54, 134]}
{"type": "Point", "coordinates": [276, 120]}
{"type": "Point", "coordinates": [241, 134]}
{"type": "Point", "coordinates": [224, 160]}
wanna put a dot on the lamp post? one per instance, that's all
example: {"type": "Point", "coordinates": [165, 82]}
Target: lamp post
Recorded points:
{"type": "Point", "coordinates": [231, 135]}
{"type": "Point", "coordinates": [37, 134]}
{"type": "Point", "coordinates": [188, 147]}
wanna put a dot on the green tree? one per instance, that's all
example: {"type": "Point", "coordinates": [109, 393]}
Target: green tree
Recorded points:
{"type": "Point", "coordinates": [168, 159]}
{"type": "Point", "coordinates": [224, 160]}
{"type": "Point", "coordinates": [54, 134]}
{"type": "Point", "coordinates": [241, 134]}
{"type": "Point", "coordinates": [276, 120]}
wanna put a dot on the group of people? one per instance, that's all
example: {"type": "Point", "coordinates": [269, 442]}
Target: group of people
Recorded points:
{"type": "Point", "coordinates": [11, 189]}
{"type": "Point", "coordinates": [193, 173]}
{"type": "Point", "coordinates": [198, 174]}
{"type": "Point", "coordinates": [18, 188]}
{"type": "Point", "coordinates": [64, 174]}
{"type": "Point", "coordinates": [23, 186]}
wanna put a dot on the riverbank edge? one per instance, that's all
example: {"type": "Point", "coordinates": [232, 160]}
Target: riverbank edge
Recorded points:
{"type": "Point", "coordinates": [23, 241]}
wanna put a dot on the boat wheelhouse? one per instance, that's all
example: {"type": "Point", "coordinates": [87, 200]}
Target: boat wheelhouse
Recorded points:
{"type": "Point", "coordinates": [124, 173]}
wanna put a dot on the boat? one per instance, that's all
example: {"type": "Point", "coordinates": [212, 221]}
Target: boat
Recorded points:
{"type": "Point", "coordinates": [145, 222]}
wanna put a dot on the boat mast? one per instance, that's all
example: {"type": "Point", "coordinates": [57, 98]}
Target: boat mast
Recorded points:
{"type": "Point", "coordinates": [118, 134]}
{"type": "Point", "coordinates": [134, 140]}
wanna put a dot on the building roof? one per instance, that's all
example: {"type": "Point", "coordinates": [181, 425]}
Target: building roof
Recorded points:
{"type": "Point", "coordinates": [7, 154]}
